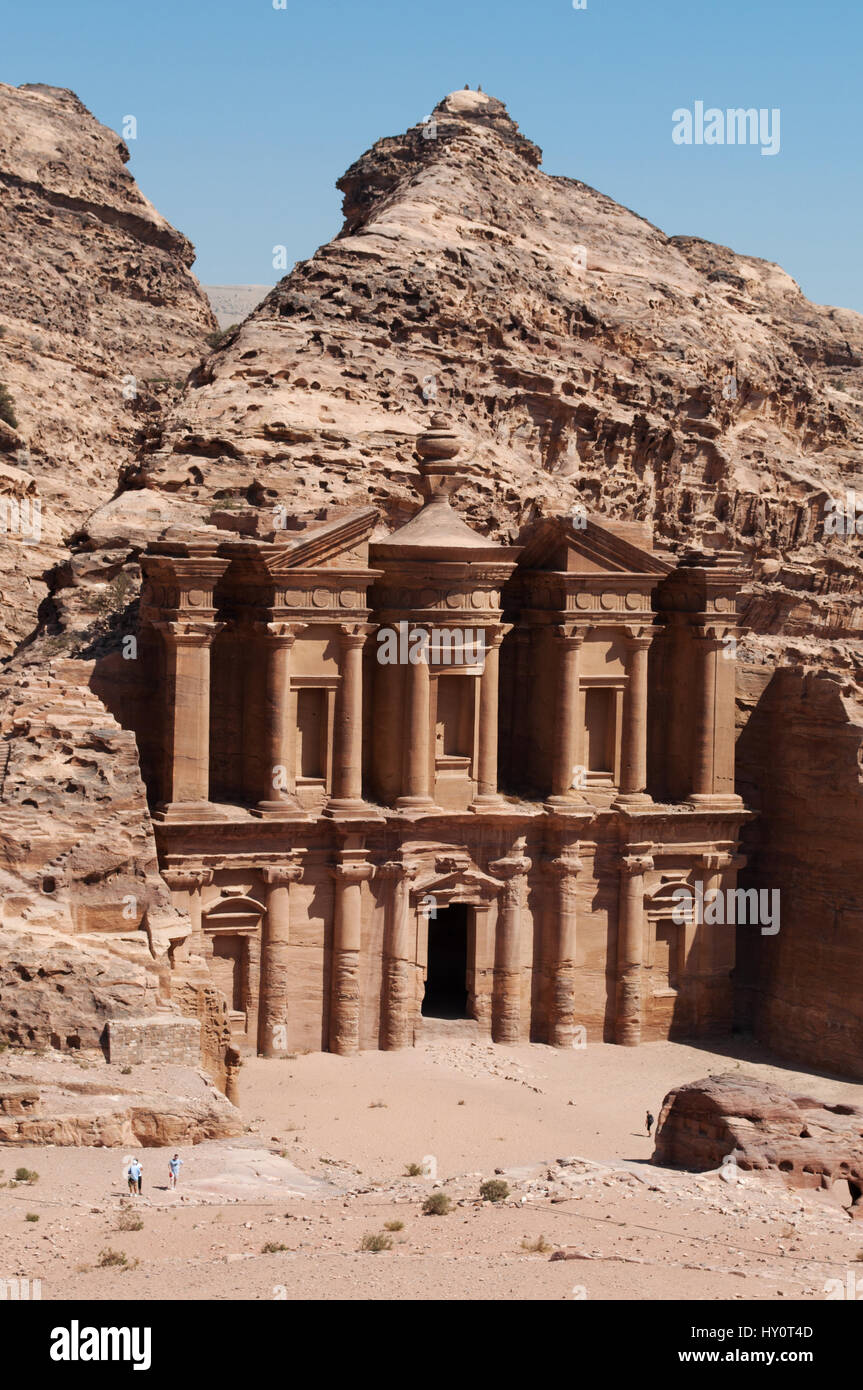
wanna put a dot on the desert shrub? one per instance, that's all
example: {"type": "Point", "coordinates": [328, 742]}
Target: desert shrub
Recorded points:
{"type": "Point", "coordinates": [273, 1247]}
{"type": "Point", "coordinates": [112, 1259]}
{"type": "Point", "coordinates": [414, 1170]}
{"type": "Point", "coordinates": [394, 1225]}
{"type": "Point", "coordinates": [31, 1216]}
{"type": "Point", "coordinates": [540, 1246]}
{"type": "Point", "coordinates": [128, 1221]}
{"type": "Point", "coordinates": [7, 407]}
{"type": "Point", "coordinates": [215, 340]}
{"type": "Point", "coordinates": [494, 1190]}
{"type": "Point", "coordinates": [437, 1204]}
{"type": "Point", "coordinates": [376, 1241]}
{"type": "Point", "coordinates": [26, 1175]}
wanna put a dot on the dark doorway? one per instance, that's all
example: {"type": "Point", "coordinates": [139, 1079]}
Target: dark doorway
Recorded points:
{"type": "Point", "coordinates": [446, 984]}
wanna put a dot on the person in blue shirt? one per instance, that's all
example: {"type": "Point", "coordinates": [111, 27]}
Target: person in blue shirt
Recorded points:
{"type": "Point", "coordinates": [135, 1176]}
{"type": "Point", "coordinates": [174, 1169]}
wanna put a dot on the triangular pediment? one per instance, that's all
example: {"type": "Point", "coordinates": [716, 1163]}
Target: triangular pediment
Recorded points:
{"type": "Point", "coordinates": [588, 546]}
{"type": "Point", "coordinates": [339, 544]}
{"type": "Point", "coordinates": [463, 881]}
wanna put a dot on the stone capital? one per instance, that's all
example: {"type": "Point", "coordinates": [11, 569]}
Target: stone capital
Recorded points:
{"type": "Point", "coordinates": [354, 634]}
{"type": "Point", "coordinates": [351, 873]}
{"type": "Point", "coordinates": [280, 875]}
{"type": "Point", "coordinates": [634, 864]}
{"type": "Point", "coordinates": [494, 635]}
{"type": "Point", "coordinates": [639, 635]}
{"type": "Point", "coordinates": [571, 635]}
{"type": "Point", "coordinates": [564, 866]}
{"type": "Point", "coordinates": [398, 870]}
{"type": "Point", "coordinates": [278, 633]}
{"type": "Point", "coordinates": [188, 632]}
{"type": "Point", "coordinates": [716, 862]}
{"type": "Point", "coordinates": [187, 880]}
{"type": "Point", "coordinates": [714, 634]}
{"type": "Point", "coordinates": [510, 867]}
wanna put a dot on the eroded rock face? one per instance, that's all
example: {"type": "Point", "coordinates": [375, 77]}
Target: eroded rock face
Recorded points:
{"type": "Point", "coordinates": [58, 991]}
{"type": "Point", "coordinates": [587, 357]}
{"type": "Point", "coordinates": [457, 280]}
{"type": "Point", "coordinates": [100, 319]}
{"type": "Point", "coordinates": [47, 1101]}
{"type": "Point", "coordinates": [799, 760]}
{"type": "Point", "coordinates": [76, 843]}
{"type": "Point", "coordinates": [707, 1123]}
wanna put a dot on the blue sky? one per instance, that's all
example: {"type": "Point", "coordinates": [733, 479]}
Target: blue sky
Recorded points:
{"type": "Point", "coordinates": [247, 114]}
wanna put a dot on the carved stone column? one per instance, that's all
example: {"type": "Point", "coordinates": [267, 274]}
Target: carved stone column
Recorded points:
{"type": "Point", "coordinates": [633, 752]}
{"type": "Point", "coordinates": [713, 738]}
{"type": "Point", "coordinates": [506, 994]}
{"type": "Point", "coordinates": [399, 1002]}
{"type": "Point", "coordinates": [348, 752]}
{"type": "Point", "coordinates": [630, 949]}
{"type": "Point", "coordinates": [566, 714]}
{"type": "Point", "coordinates": [349, 877]}
{"type": "Point", "coordinates": [417, 759]}
{"type": "Point", "coordinates": [708, 647]}
{"type": "Point", "coordinates": [276, 932]}
{"type": "Point", "coordinates": [562, 1023]}
{"type": "Point", "coordinates": [278, 794]}
{"type": "Point", "coordinates": [486, 770]}
{"type": "Point", "coordinates": [187, 743]}
{"type": "Point", "coordinates": [193, 882]}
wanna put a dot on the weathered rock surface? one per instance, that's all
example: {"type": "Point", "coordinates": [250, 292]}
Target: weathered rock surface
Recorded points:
{"type": "Point", "coordinates": [457, 277]}
{"type": "Point", "coordinates": [100, 319]}
{"type": "Point", "coordinates": [589, 358]}
{"type": "Point", "coordinates": [76, 843]}
{"type": "Point", "coordinates": [59, 991]}
{"type": "Point", "coordinates": [41, 1103]}
{"type": "Point", "coordinates": [799, 761]}
{"type": "Point", "coordinates": [760, 1126]}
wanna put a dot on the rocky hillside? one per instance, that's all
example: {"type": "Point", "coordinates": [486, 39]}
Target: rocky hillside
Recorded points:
{"type": "Point", "coordinates": [100, 323]}
{"type": "Point", "coordinates": [587, 357]}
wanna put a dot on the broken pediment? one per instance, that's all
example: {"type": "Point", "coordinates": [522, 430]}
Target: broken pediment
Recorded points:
{"type": "Point", "coordinates": [584, 545]}
{"type": "Point", "coordinates": [339, 544]}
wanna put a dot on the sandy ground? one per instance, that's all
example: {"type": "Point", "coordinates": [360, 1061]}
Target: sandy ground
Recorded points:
{"type": "Point", "coordinates": [323, 1164]}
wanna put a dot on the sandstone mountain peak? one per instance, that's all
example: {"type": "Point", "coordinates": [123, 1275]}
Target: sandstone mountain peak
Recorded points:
{"type": "Point", "coordinates": [99, 318]}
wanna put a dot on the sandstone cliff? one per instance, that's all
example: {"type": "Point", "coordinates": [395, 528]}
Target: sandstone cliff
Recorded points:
{"type": "Point", "coordinates": [588, 357]}
{"type": "Point", "coordinates": [100, 322]}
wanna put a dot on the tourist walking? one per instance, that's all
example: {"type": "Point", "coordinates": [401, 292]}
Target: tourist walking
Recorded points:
{"type": "Point", "coordinates": [136, 1173]}
{"type": "Point", "coordinates": [649, 1119]}
{"type": "Point", "coordinates": [174, 1170]}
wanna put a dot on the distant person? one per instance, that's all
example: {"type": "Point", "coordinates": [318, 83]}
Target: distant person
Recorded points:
{"type": "Point", "coordinates": [649, 1118]}
{"type": "Point", "coordinates": [136, 1176]}
{"type": "Point", "coordinates": [130, 1179]}
{"type": "Point", "coordinates": [174, 1170]}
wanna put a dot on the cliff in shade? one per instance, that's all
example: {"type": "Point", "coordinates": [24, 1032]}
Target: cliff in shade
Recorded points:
{"type": "Point", "coordinates": [100, 323]}
{"type": "Point", "coordinates": [585, 357]}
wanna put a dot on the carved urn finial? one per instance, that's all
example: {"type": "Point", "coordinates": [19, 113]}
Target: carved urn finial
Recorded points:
{"type": "Point", "coordinates": [437, 448]}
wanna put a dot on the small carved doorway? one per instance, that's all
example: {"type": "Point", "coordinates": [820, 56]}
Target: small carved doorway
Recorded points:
{"type": "Point", "coordinates": [446, 990]}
